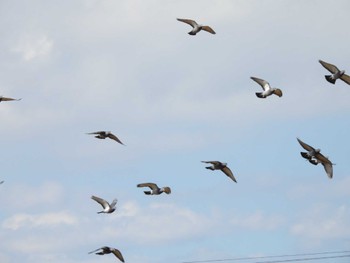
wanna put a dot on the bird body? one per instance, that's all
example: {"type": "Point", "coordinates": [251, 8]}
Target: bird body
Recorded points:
{"type": "Point", "coordinates": [155, 190]}
{"type": "Point", "coordinates": [7, 99]}
{"type": "Point", "coordinates": [106, 134]}
{"type": "Point", "coordinates": [216, 165]}
{"type": "Point", "coordinates": [196, 27]}
{"type": "Point", "coordinates": [336, 73]}
{"type": "Point", "coordinates": [107, 208]}
{"type": "Point", "coordinates": [267, 89]}
{"type": "Point", "coordinates": [314, 156]}
{"type": "Point", "coordinates": [109, 250]}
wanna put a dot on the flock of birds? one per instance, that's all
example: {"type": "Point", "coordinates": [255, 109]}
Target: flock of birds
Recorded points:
{"type": "Point", "coordinates": [313, 155]}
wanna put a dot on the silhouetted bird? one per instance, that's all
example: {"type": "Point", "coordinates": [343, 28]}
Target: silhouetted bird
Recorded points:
{"type": "Point", "coordinates": [216, 165]}
{"type": "Point", "coordinates": [108, 250]}
{"type": "Point", "coordinates": [315, 157]}
{"type": "Point", "coordinates": [105, 134]}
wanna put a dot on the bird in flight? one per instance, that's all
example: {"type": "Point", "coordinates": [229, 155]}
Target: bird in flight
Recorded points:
{"type": "Point", "coordinates": [196, 27]}
{"type": "Point", "coordinates": [336, 73]}
{"type": "Point", "coordinates": [106, 134]}
{"type": "Point", "coordinates": [7, 99]}
{"type": "Point", "coordinates": [107, 208]}
{"type": "Point", "coordinates": [216, 165]}
{"type": "Point", "coordinates": [109, 250]}
{"type": "Point", "coordinates": [155, 190]}
{"type": "Point", "coordinates": [267, 89]}
{"type": "Point", "coordinates": [315, 157]}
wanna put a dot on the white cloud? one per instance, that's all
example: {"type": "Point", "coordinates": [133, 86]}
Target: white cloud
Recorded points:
{"type": "Point", "coordinates": [156, 223]}
{"type": "Point", "coordinates": [34, 47]}
{"type": "Point", "coordinates": [322, 224]}
{"type": "Point", "coordinates": [21, 196]}
{"type": "Point", "coordinates": [258, 221]}
{"type": "Point", "coordinates": [43, 220]}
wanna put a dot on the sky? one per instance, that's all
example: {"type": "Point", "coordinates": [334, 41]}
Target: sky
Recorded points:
{"type": "Point", "coordinates": [174, 100]}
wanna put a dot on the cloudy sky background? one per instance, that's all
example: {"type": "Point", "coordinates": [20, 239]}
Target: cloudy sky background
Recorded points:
{"type": "Point", "coordinates": [129, 67]}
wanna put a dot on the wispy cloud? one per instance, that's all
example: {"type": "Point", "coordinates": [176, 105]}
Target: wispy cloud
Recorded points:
{"type": "Point", "coordinates": [42, 220]}
{"type": "Point", "coordinates": [322, 224]}
{"type": "Point", "coordinates": [31, 48]}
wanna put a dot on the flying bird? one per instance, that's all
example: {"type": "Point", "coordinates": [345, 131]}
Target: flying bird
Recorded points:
{"type": "Point", "coordinates": [2, 182]}
{"type": "Point", "coordinates": [155, 190]}
{"type": "Point", "coordinates": [7, 99]}
{"type": "Point", "coordinates": [109, 250]}
{"type": "Point", "coordinates": [315, 157]}
{"type": "Point", "coordinates": [336, 73]}
{"type": "Point", "coordinates": [268, 90]}
{"type": "Point", "coordinates": [216, 165]}
{"type": "Point", "coordinates": [105, 134]}
{"type": "Point", "coordinates": [107, 208]}
{"type": "Point", "coordinates": [196, 27]}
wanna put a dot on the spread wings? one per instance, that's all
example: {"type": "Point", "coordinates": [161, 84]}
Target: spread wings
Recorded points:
{"type": "Point", "coordinates": [192, 23]}
{"type": "Point", "coordinates": [263, 83]}
{"type": "Point", "coordinates": [345, 78]}
{"type": "Point", "coordinates": [150, 185]}
{"type": "Point", "coordinates": [229, 173]}
{"type": "Point", "coordinates": [305, 146]}
{"type": "Point", "coordinates": [330, 67]}
{"type": "Point", "coordinates": [101, 201]}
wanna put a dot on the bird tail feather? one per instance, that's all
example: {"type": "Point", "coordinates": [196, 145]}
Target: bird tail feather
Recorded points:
{"type": "Point", "coordinates": [259, 95]}
{"type": "Point", "coordinates": [330, 79]}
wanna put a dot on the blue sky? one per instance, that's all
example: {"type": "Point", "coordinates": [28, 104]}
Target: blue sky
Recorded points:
{"type": "Point", "coordinates": [129, 67]}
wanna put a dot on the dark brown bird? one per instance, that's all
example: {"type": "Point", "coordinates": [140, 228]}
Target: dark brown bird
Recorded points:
{"type": "Point", "coordinates": [216, 165]}
{"type": "Point", "coordinates": [155, 190]}
{"type": "Point", "coordinates": [108, 250]}
{"type": "Point", "coordinates": [105, 134]}
{"type": "Point", "coordinates": [315, 157]}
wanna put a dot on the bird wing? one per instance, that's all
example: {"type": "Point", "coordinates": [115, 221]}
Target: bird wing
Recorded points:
{"type": "Point", "coordinates": [263, 83]}
{"type": "Point", "coordinates": [330, 67]}
{"type": "Point", "coordinates": [101, 201]}
{"type": "Point", "coordinates": [229, 173]}
{"type": "Point", "coordinates": [98, 132]}
{"type": "Point", "coordinates": [8, 99]}
{"type": "Point", "coordinates": [114, 202]}
{"type": "Point", "coordinates": [113, 137]}
{"type": "Point", "coordinates": [345, 78]}
{"type": "Point", "coordinates": [150, 185]}
{"type": "Point", "coordinates": [208, 29]}
{"type": "Point", "coordinates": [278, 92]}
{"type": "Point", "coordinates": [118, 254]}
{"type": "Point", "coordinates": [212, 162]}
{"type": "Point", "coordinates": [192, 23]}
{"type": "Point", "coordinates": [328, 166]}
{"type": "Point", "coordinates": [305, 146]}
{"type": "Point", "coordinates": [94, 251]}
